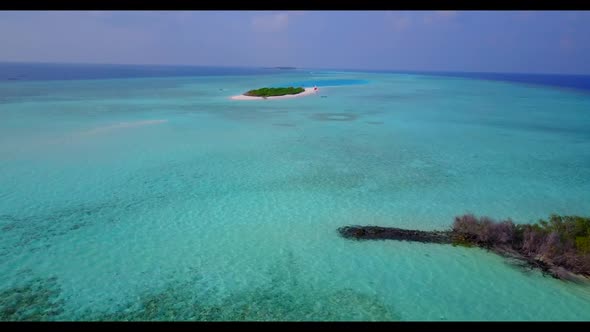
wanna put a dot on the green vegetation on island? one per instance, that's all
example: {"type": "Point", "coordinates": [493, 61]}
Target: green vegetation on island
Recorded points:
{"type": "Point", "coordinates": [274, 92]}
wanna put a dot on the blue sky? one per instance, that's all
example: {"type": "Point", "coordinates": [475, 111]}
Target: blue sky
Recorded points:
{"type": "Point", "coordinates": [487, 41]}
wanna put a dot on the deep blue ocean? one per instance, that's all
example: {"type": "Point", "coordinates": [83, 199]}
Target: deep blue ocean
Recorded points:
{"type": "Point", "coordinates": [581, 82]}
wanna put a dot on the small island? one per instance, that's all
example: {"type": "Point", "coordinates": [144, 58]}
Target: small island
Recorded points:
{"type": "Point", "coordinates": [275, 93]}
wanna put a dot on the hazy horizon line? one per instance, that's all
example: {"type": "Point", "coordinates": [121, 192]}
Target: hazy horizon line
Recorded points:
{"type": "Point", "coordinates": [295, 67]}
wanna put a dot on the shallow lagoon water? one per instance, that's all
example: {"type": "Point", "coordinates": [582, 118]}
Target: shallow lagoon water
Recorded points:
{"type": "Point", "coordinates": [162, 199]}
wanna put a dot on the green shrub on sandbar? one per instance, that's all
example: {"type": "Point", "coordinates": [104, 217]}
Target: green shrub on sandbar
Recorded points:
{"type": "Point", "coordinates": [273, 92]}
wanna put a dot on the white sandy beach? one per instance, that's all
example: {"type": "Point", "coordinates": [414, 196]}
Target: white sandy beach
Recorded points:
{"type": "Point", "coordinates": [307, 92]}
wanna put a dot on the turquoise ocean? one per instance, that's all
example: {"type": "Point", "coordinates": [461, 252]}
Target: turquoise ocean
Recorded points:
{"type": "Point", "coordinates": [160, 198]}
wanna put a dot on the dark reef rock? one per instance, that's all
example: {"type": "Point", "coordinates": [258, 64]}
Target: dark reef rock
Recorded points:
{"type": "Point", "coordinates": [391, 233]}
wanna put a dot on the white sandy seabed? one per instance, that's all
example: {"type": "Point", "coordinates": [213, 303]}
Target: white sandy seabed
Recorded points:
{"type": "Point", "coordinates": [307, 92]}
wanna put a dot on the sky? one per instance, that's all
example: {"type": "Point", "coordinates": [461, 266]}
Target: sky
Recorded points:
{"type": "Point", "coordinates": [475, 41]}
